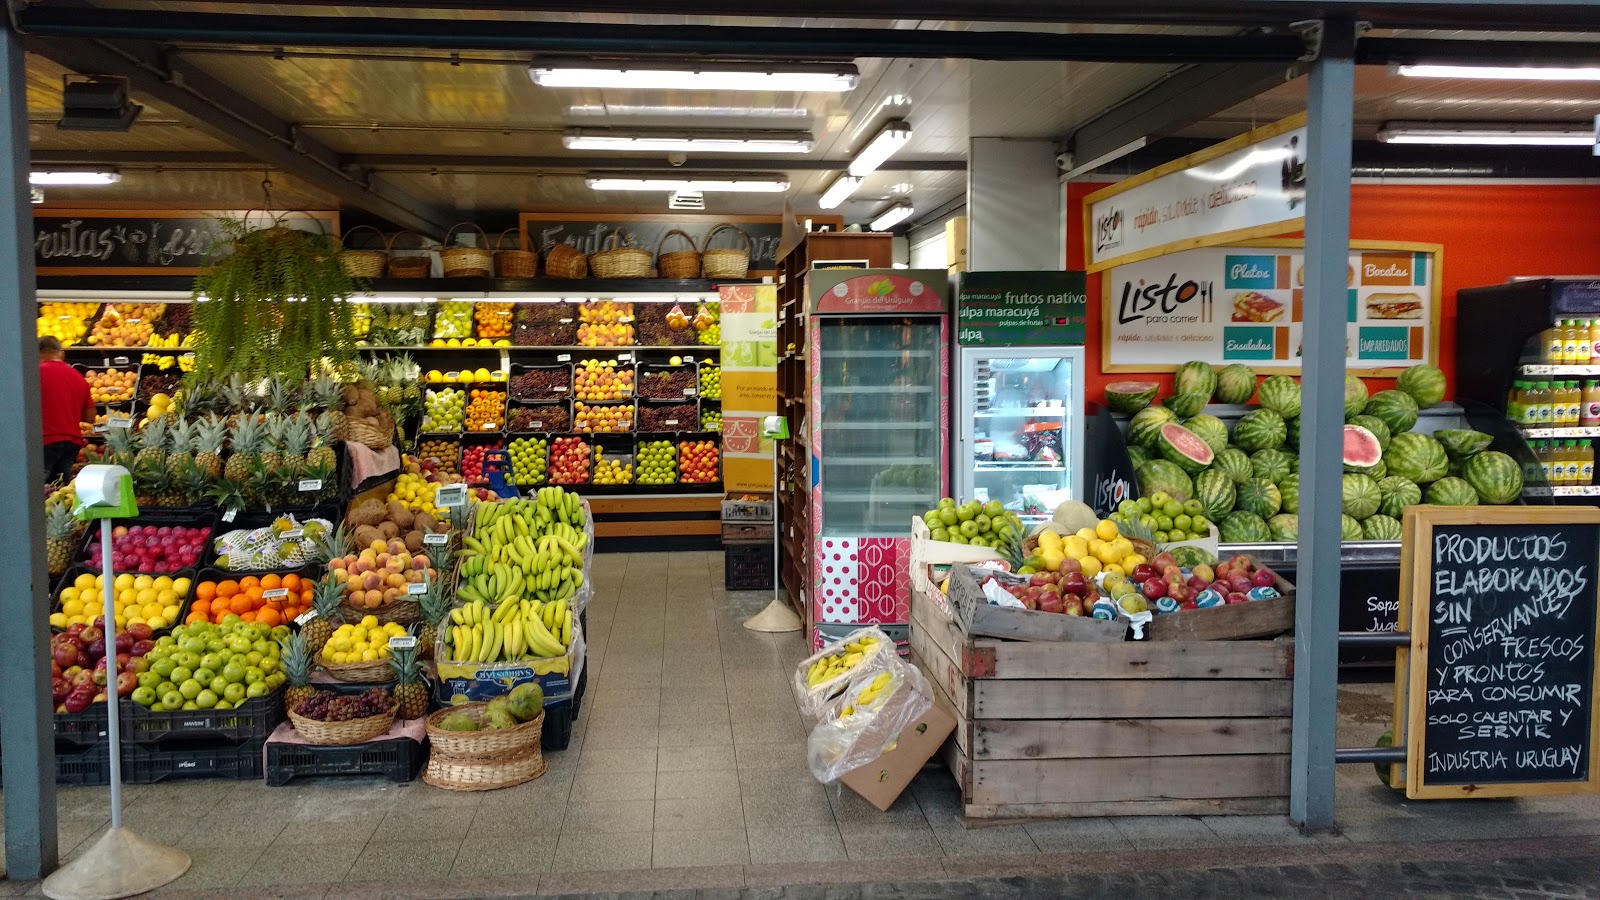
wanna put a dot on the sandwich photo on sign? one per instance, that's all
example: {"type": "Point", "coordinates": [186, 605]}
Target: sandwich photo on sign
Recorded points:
{"type": "Point", "coordinates": [1394, 306]}
{"type": "Point", "coordinates": [1252, 306]}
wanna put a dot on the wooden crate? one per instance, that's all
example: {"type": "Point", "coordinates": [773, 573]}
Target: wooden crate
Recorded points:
{"type": "Point", "coordinates": [1054, 729]}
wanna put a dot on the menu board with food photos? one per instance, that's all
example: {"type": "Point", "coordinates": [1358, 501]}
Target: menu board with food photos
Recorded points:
{"type": "Point", "coordinates": [1245, 304]}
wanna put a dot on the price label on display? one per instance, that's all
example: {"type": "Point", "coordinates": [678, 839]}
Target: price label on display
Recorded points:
{"type": "Point", "coordinates": [688, 392]}
{"type": "Point", "coordinates": [566, 321]}
{"type": "Point", "coordinates": [688, 359]}
{"type": "Point", "coordinates": [624, 357]}
{"type": "Point", "coordinates": [451, 376]}
{"type": "Point", "coordinates": [307, 485]}
{"type": "Point", "coordinates": [102, 428]}
{"type": "Point", "coordinates": [435, 540]}
{"type": "Point", "coordinates": [671, 422]}
{"type": "Point", "coordinates": [537, 425]}
{"type": "Point", "coordinates": [490, 426]}
{"type": "Point", "coordinates": [305, 617]}
{"type": "Point", "coordinates": [121, 360]}
{"type": "Point", "coordinates": [623, 320]}
{"type": "Point", "coordinates": [119, 422]}
{"type": "Point", "coordinates": [229, 515]}
{"type": "Point", "coordinates": [416, 588]}
{"type": "Point", "coordinates": [402, 642]}
{"type": "Point", "coordinates": [560, 389]}
{"type": "Point", "coordinates": [564, 357]}
{"type": "Point", "coordinates": [293, 534]}
{"type": "Point", "coordinates": [451, 495]}
{"type": "Point", "coordinates": [275, 594]}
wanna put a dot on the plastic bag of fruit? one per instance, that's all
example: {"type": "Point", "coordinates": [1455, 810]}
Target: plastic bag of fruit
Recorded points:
{"type": "Point", "coordinates": [866, 720]}
{"type": "Point", "coordinates": [824, 675]}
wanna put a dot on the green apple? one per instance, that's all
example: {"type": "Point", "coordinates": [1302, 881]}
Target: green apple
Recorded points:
{"type": "Point", "coordinates": [234, 673]}
{"type": "Point", "coordinates": [1162, 537]}
{"type": "Point", "coordinates": [969, 529]}
{"type": "Point", "coordinates": [965, 513]}
{"type": "Point", "coordinates": [150, 680]}
{"type": "Point", "coordinates": [223, 704]}
{"type": "Point", "coordinates": [940, 534]}
{"type": "Point", "coordinates": [1177, 534]}
{"type": "Point", "coordinates": [195, 645]}
{"type": "Point", "coordinates": [204, 674]}
{"type": "Point", "coordinates": [1200, 524]}
{"type": "Point", "coordinates": [205, 699]}
{"type": "Point", "coordinates": [956, 537]}
{"type": "Point", "coordinates": [164, 666]}
{"type": "Point", "coordinates": [279, 632]}
{"type": "Point", "coordinates": [1193, 507]}
{"type": "Point", "coordinates": [180, 674]}
{"type": "Point", "coordinates": [276, 679]}
{"type": "Point", "coordinates": [931, 518]}
{"type": "Point", "coordinates": [234, 693]}
{"type": "Point", "coordinates": [212, 661]}
{"type": "Point", "coordinates": [268, 666]}
{"type": "Point", "coordinates": [947, 503]}
{"type": "Point", "coordinates": [1164, 523]}
{"type": "Point", "coordinates": [253, 675]}
{"type": "Point", "coordinates": [259, 689]}
{"type": "Point", "coordinates": [171, 700]}
{"type": "Point", "coordinates": [1128, 507]}
{"type": "Point", "coordinates": [144, 696]}
{"type": "Point", "coordinates": [190, 689]}
{"type": "Point", "coordinates": [994, 509]}
{"type": "Point", "coordinates": [1182, 522]}
{"type": "Point", "coordinates": [254, 657]}
{"type": "Point", "coordinates": [1146, 505]}
{"type": "Point", "coordinates": [190, 706]}
{"type": "Point", "coordinates": [984, 523]}
{"type": "Point", "coordinates": [217, 685]}
{"type": "Point", "coordinates": [1160, 498]}
{"type": "Point", "coordinates": [948, 515]}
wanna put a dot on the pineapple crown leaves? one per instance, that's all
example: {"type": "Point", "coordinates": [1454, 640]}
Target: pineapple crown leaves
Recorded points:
{"type": "Point", "coordinates": [433, 603]}
{"type": "Point", "coordinates": [59, 521]}
{"type": "Point", "coordinates": [438, 555]}
{"type": "Point", "coordinates": [211, 434]}
{"type": "Point", "coordinates": [296, 659]}
{"type": "Point", "coordinates": [154, 435]}
{"type": "Point", "coordinates": [227, 494]}
{"type": "Point", "coordinates": [334, 542]}
{"type": "Point", "coordinates": [247, 435]}
{"type": "Point", "coordinates": [326, 596]}
{"type": "Point", "coordinates": [405, 662]}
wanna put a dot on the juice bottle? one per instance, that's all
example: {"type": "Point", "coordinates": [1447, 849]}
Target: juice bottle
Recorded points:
{"type": "Point", "coordinates": [1553, 344]}
{"type": "Point", "coordinates": [1558, 403]}
{"type": "Point", "coordinates": [1544, 397]}
{"type": "Point", "coordinates": [1570, 343]}
{"type": "Point", "coordinates": [1594, 341]}
{"type": "Point", "coordinates": [1572, 400]}
{"type": "Point", "coordinates": [1529, 403]}
{"type": "Point", "coordinates": [1514, 402]}
{"type": "Point", "coordinates": [1557, 456]}
{"type": "Point", "coordinates": [1590, 414]}
{"type": "Point", "coordinates": [1574, 463]}
{"type": "Point", "coordinates": [1586, 462]}
{"type": "Point", "coordinates": [1585, 350]}
{"type": "Point", "coordinates": [1542, 451]}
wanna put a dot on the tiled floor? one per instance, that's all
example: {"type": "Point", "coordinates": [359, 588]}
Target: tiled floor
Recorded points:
{"type": "Point", "coordinates": [690, 755]}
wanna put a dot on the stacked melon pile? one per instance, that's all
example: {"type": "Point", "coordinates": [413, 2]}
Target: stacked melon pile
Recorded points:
{"type": "Point", "coordinates": [1247, 477]}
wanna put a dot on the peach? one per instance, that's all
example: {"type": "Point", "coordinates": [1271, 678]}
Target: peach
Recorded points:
{"type": "Point", "coordinates": [371, 581]}
{"type": "Point", "coordinates": [374, 598]}
{"type": "Point", "coordinates": [377, 547]}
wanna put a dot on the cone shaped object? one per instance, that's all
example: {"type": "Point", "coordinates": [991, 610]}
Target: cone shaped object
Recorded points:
{"type": "Point", "coordinates": [120, 864]}
{"type": "Point", "coordinates": [777, 617]}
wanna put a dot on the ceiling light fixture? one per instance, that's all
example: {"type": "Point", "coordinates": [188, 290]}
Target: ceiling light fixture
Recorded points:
{"type": "Point", "coordinates": [748, 184]}
{"type": "Point", "coordinates": [96, 103]}
{"type": "Point", "coordinates": [884, 144]}
{"type": "Point", "coordinates": [1489, 134]}
{"type": "Point", "coordinates": [730, 77]}
{"type": "Point", "coordinates": [687, 200]}
{"type": "Point", "coordinates": [74, 178]}
{"type": "Point", "coordinates": [669, 142]}
{"type": "Point", "coordinates": [893, 216]}
{"type": "Point", "coordinates": [1507, 73]}
{"type": "Point", "coordinates": [839, 191]}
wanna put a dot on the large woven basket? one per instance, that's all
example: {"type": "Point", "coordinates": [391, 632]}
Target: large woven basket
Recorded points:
{"type": "Point", "coordinates": [353, 731]}
{"type": "Point", "coordinates": [376, 439]}
{"type": "Point", "coordinates": [678, 263]}
{"type": "Point", "coordinates": [565, 261]}
{"type": "Point", "coordinates": [617, 261]}
{"type": "Point", "coordinates": [401, 612]}
{"type": "Point", "coordinates": [409, 266]}
{"type": "Point", "coordinates": [726, 262]}
{"type": "Point", "coordinates": [377, 671]}
{"type": "Point", "coordinates": [516, 263]}
{"type": "Point", "coordinates": [466, 262]}
{"type": "Point", "coordinates": [482, 775]}
{"type": "Point", "coordinates": [363, 263]}
{"type": "Point", "coordinates": [469, 746]}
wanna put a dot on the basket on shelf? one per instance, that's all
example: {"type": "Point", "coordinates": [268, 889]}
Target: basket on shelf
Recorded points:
{"type": "Point", "coordinates": [363, 263]}
{"type": "Point", "coordinates": [372, 437]}
{"type": "Point", "coordinates": [403, 611]}
{"type": "Point", "coordinates": [726, 262]}
{"type": "Point", "coordinates": [617, 261]}
{"type": "Point", "coordinates": [353, 731]}
{"type": "Point", "coordinates": [496, 744]}
{"type": "Point", "coordinates": [466, 262]}
{"type": "Point", "coordinates": [409, 266]}
{"type": "Point", "coordinates": [678, 263]}
{"type": "Point", "coordinates": [375, 671]}
{"type": "Point", "coordinates": [565, 261]}
{"type": "Point", "coordinates": [517, 263]}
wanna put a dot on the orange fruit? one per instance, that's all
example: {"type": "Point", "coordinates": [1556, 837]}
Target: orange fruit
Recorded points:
{"type": "Point", "coordinates": [248, 582]}
{"type": "Point", "coordinates": [205, 592]}
{"type": "Point", "coordinates": [202, 607]}
{"type": "Point", "coordinates": [270, 582]}
{"type": "Point", "coordinates": [290, 581]}
{"type": "Point", "coordinates": [227, 588]}
{"type": "Point", "coordinates": [248, 617]}
{"type": "Point", "coordinates": [268, 616]}
{"type": "Point", "coordinates": [240, 603]}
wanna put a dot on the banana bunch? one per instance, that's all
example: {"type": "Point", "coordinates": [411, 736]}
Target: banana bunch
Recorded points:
{"type": "Point", "coordinates": [526, 548]}
{"type": "Point", "coordinates": [835, 664]}
{"type": "Point", "coordinates": [515, 630]}
{"type": "Point", "coordinates": [881, 686]}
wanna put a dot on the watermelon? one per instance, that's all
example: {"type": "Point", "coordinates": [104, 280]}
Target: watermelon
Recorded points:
{"type": "Point", "coordinates": [1362, 452]}
{"type": "Point", "coordinates": [1374, 425]}
{"type": "Point", "coordinates": [1182, 446]}
{"type": "Point", "coordinates": [1349, 529]}
{"type": "Point", "coordinates": [1260, 497]}
{"type": "Point", "coordinates": [1457, 467]}
{"type": "Point", "coordinates": [1216, 492]}
{"type": "Point", "coordinates": [1188, 556]}
{"type": "Point", "coordinates": [1270, 465]}
{"type": "Point", "coordinates": [1291, 433]}
{"type": "Point", "coordinates": [1290, 489]}
{"type": "Point", "coordinates": [1294, 464]}
{"type": "Point", "coordinates": [1195, 377]}
{"type": "Point", "coordinates": [1361, 496]}
{"type": "Point", "coordinates": [1137, 456]}
{"type": "Point", "coordinates": [1284, 527]}
{"type": "Point", "coordinates": [1379, 527]}
{"type": "Point", "coordinates": [1379, 470]}
{"type": "Point", "coordinates": [1210, 429]}
{"type": "Point", "coordinates": [1130, 396]}
{"type": "Point", "coordinates": [1146, 423]}
{"type": "Point", "coordinates": [1395, 408]}
{"type": "Point", "coordinates": [1452, 491]}
{"type": "Point", "coordinates": [1234, 463]}
{"type": "Point", "coordinates": [1281, 394]}
{"type": "Point", "coordinates": [1158, 475]}
{"type": "Point", "coordinates": [1188, 404]}
{"type": "Point", "coordinates": [1416, 457]}
{"type": "Point", "coordinates": [1398, 493]}
{"type": "Point", "coordinates": [1462, 444]}
{"type": "Point", "coordinates": [1259, 429]}
{"type": "Point", "coordinates": [1235, 384]}
{"type": "Point", "coordinates": [1240, 527]}
{"type": "Point", "coordinates": [1495, 476]}
{"type": "Point", "coordinates": [1424, 383]}
{"type": "Point", "coordinates": [1355, 396]}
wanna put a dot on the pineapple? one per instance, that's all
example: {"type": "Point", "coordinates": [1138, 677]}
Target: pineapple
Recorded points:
{"type": "Point", "coordinates": [328, 399]}
{"type": "Point", "coordinates": [227, 494]}
{"type": "Point", "coordinates": [435, 607]}
{"type": "Point", "coordinates": [272, 455]}
{"type": "Point", "coordinates": [60, 531]}
{"type": "Point", "coordinates": [238, 397]}
{"type": "Point", "coordinates": [180, 447]}
{"type": "Point", "coordinates": [296, 441]}
{"type": "Point", "coordinates": [323, 436]}
{"type": "Point", "coordinates": [151, 483]}
{"type": "Point", "coordinates": [119, 448]}
{"type": "Point", "coordinates": [261, 485]}
{"type": "Point", "coordinates": [280, 398]}
{"type": "Point", "coordinates": [246, 440]}
{"type": "Point", "coordinates": [411, 693]}
{"type": "Point", "coordinates": [325, 599]}
{"type": "Point", "coordinates": [210, 435]}
{"type": "Point", "coordinates": [296, 666]}
{"type": "Point", "coordinates": [153, 443]}
{"type": "Point", "coordinates": [193, 482]}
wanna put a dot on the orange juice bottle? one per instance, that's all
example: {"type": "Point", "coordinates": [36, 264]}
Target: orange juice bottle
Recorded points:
{"type": "Point", "coordinates": [1544, 397]}
{"type": "Point", "coordinates": [1542, 451]}
{"type": "Point", "coordinates": [1570, 343]}
{"type": "Point", "coordinates": [1558, 403]}
{"type": "Point", "coordinates": [1590, 414]}
{"type": "Point", "coordinates": [1528, 404]}
{"type": "Point", "coordinates": [1594, 342]}
{"type": "Point", "coordinates": [1514, 402]}
{"type": "Point", "coordinates": [1586, 462]}
{"type": "Point", "coordinates": [1574, 463]}
{"type": "Point", "coordinates": [1585, 351]}
{"type": "Point", "coordinates": [1573, 400]}
{"type": "Point", "coordinates": [1554, 344]}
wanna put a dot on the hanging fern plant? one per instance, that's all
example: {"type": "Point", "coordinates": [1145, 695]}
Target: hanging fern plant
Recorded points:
{"type": "Point", "coordinates": [273, 305]}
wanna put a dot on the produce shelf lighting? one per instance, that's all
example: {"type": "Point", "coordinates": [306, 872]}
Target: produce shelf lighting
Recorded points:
{"type": "Point", "coordinates": [1505, 73]}
{"type": "Point", "coordinates": [839, 191]}
{"type": "Point", "coordinates": [70, 177]}
{"type": "Point", "coordinates": [646, 142]}
{"type": "Point", "coordinates": [885, 144]}
{"type": "Point", "coordinates": [751, 185]}
{"type": "Point", "coordinates": [1485, 134]}
{"type": "Point", "coordinates": [833, 79]}
{"type": "Point", "coordinates": [893, 216]}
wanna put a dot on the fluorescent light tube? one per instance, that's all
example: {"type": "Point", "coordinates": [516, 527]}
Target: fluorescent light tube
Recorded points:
{"type": "Point", "coordinates": [645, 142]}
{"type": "Point", "coordinates": [893, 216]}
{"type": "Point", "coordinates": [753, 185]}
{"type": "Point", "coordinates": [839, 191]}
{"type": "Point", "coordinates": [1483, 134]}
{"type": "Point", "coordinates": [890, 139]}
{"type": "Point", "coordinates": [1507, 73]}
{"type": "Point", "coordinates": [80, 177]}
{"type": "Point", "coordinates": [835, 79]}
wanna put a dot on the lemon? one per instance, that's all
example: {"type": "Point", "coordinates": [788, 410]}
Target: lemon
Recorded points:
{"type": "Point", "coordinates": [1114, 569]}
{"type": "Point", "coordinates": [369, 655]}
{"type": "Point", "coordinates": [58, 620]}
{"type": "Point", "coordinates": [1091, 566]}
{"type": "Point", "coordinates": [143, 583]}
{"type": "Point", "coordinates": [369, 622]}
{"type": "Point", "coordinates": [481, 375]}
{"type": "Point", "coordinates": [72, 607]}
{"type": "Point", "coordinates": [84, 582]}
{"type": "Point", "coordinates": [1076, 547]}
{"type": "Point", "coordinates": [151, 610]}
{"type": "Point", "coordinates": [1133, 560]}
{"type": "Point", "coordinates": [1107, 530]}
{"type": "Point", "coordinates": [1087, 534]}
{"type": "Point", "coordinates": [164, 583]}
{"type": "Point", "coordinates": [124, 582]}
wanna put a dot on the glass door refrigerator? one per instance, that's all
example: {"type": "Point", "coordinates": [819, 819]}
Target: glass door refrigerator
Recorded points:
{"type": "Point", "coordinates": [875, 432]}
{"type": "Point", "coordinates": [1020, 427]}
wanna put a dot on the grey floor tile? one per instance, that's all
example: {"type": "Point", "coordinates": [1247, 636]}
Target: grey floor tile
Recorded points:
{"type": "Point", "coordinates": [612, 714]}
{"type": "Point", "coordinates": [609, 816]}
{"type": "Point", "coordinates": [889, 841]}
{"type": "Point", "coordinates": [414, 861]}
{"type": "Point", "coordinates": [344, 830]}
{"type": "Point", "coordinates": [693, 785]}
{"type": "Point", "coordinates": [631, 736]}
{"type": "Point", "coordinates": [529, 852]}
{"type": "Point", "coordinates": [690, 759]}
{"type": "Point", "coordinates": [597, 852]}
{"type": "Point", "coordinates": [810, 844]}
{"type": "Point", "coordinates": [1264, 830]}
{"type": "Point", "coordinates": [675, 849]}
{"type": "Point", "coordinates": [490, 822]}
{"type": "Point", "coordinates": [215, 868]}
{"type": "Point", "coordinates": [1167, 832]}
{"type": "Point", "coordinates": [1077, 836]}
{"type": "Point", "coordinates": [680, 732]}
{"type": "Point", "coordinates": [617, 759]}
{"type": "Point", "coordinates": [294, 864]}
{"type": "Point", "coordinates": [994, 840]}
{"type": "Point", "coordinates": [418, 825]}
{"type": "Point", "coordinates": [775, 729]}
{"type": "Point", "coordinates": [611, 786]}
{"type": "Point", "coordinates": [788, 756]}
{"type": "Point", "coordinates": [699, 814]}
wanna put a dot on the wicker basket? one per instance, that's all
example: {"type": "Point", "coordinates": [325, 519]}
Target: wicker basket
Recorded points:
{"type": "Point", "coordinates": [469, 746]}
{"type": "Point", "coordinates": [363, 263]}
{"type": "Point", "coordinates": [518, 263]}
{"type": "Point", "coordinates": [377, 671]}
{"type": "Point", "coordinates": [409, 266]}
{"type": "Point", "coordinates": [353, 731]}
{"type": "Point", "coordinates": [401, 612]}
{"type": "Point", "coordinates": [482, 775]}
{"type": "Point", "coordinates": [466, 262]}
{"type": "Point", "coordinates": [678, 263]}
{"type": "Point", "coordinates": [726, 262]}
{"type": "Point", "coordinates": [617, 261]}
{"type": "Point", "coordinates": [362, 433]}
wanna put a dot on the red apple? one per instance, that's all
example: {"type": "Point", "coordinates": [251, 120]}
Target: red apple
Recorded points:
{"type": "Point", "coordinates": [1070, 566]}
{"type": "Point", "coordinates": [1196, 583]}
{"type": "Point", "coordinates": [1050, 604]}
{"type": "Point", "coordinates": [1154, 589]}
{"type": "Point", "coordinates": [1264, 578]}
{"type": "Point", "coordinates": [1072, 605]}
{"type": "Point", "coordinates": [1143, 572]}
{"type": "Point", "coordinates": [1075, 583]}
{"type": "Point", "coordinates": [1240, 583]}
{"type": "Point", "coordinates": [1163, 560]}
{"type": "Point", "coordinates": [1236, 597]}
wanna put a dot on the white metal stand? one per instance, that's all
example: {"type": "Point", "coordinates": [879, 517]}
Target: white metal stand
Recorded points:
{"type": "Point", "coordinates": [779, 617]}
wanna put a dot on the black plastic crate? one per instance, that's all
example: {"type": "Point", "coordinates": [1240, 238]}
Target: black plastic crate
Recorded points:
{"type": "Point", "coordinates": [186, 516]}
{"type": "Point", "coordinates": [146, 764]}
{"type": "Point", "coordinates": [252, 720]}
{"type": "Point", "coordinates": [89, 766]}
{"type": "Point", "coordinates": [86, 728]}
{"type": "Point", "coordinates": [398, 760]}
{"type": "Point", "coordinates": [748, 567]}
{"type": "Point", "coordinates": [583, 683]}
{"type": "Point", "coordinates": [556, 733]}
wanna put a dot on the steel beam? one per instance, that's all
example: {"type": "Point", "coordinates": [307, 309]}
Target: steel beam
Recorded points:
{"type": "Point", "coordinates": [234, 118]}
{"type": "Point", "coordinates": [423, 162]}
{"type": "Point", "coordinates": [1330, 111]}
{"type": "Point", "coordinates": [27, 731]}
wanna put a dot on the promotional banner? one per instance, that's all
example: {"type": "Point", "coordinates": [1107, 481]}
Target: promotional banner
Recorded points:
{"type": "Point", "coordinates": [1252, 186]}
{"type": "Point", "coordinates": [749, 383]}
{"type": "Point", "coordinates": [1244, 305]}
{"type": "Point", "coordinates": [1021, 309]}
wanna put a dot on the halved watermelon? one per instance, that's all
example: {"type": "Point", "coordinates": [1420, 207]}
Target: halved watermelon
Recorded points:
{"type": "Point", "coordinates": [1362, 451]}
{"type": "Point", "coordinates": [1183, 447]}
{"type": "Point", "coordinates": [1130, 396]}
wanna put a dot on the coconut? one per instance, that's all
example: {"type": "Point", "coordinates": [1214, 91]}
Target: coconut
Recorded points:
{"type": "Point", "coordinates": [399, 515]}
{"type": "Point", "coordinates": [367, 512]}
{"type": "Point", "coordinates": [414, 541]}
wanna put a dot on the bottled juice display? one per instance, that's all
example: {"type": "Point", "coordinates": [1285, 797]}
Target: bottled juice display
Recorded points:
{"type": "Point", "coordinates": [1544, 403]}
{"type": "Point", "coordinates": [1586, 462]}
{"type": "Point", "coordinates": [1590, 414]}
{"type": "Point", "coordinates": [1572, 344]}
{"type": "Point", "coordinates": [1571, 403]}
{"type": "Point", "coordinates": [1514, 402]}
{"type": "Point", "coordinates": [1558, 403]}
{"type": "Point", "coordinates": [1530, 468]}
{"type": "Point", "coordinates": [1543, 452]}
{"type": "Point", "coordinates": [1554, 345]}
{"type": "Point", "coordinates": [1570, 458]}
{"type": "Point", "coordinates": [1594, 342]}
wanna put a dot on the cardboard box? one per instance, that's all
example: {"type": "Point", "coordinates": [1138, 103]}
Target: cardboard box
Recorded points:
{"type": "Point", "coordinates": [955, 242]}
{"type": "Point", "coordinates": [882, 781]}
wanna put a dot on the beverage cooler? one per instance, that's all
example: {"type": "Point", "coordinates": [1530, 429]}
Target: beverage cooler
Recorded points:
{"type": "Point", "coordinates": [1020, 427]}
{"type": "Point", "coordinates": [876, 414]}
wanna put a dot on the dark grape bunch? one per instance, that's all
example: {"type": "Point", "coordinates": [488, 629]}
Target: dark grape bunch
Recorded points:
{"type": "Point", "coordinates": [542, 384]}
{"type": "Point", "coordinates": [327, 706]}
{"type": "Point", "coordinates": [668, 384]}
{"type": "Point", "coordinates": [669, 417]}
{"type": "Point", "coordinates": [550, 418]}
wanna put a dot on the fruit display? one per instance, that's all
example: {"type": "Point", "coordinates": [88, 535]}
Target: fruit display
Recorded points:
{"type": "Point", "coordinates": [331, 706]}
{"type": "Point", "coordinates": [516, 629]}
{"type": "Point", "coordinates": [399, 324]}
{"type": "Point", "coordinates": [980, 524]}
{"type": "Point", "coordinates": [210, 666]}
{"type": "Point", "coordinates": [605, 323]}
{"type": "Point", "coordinates": [183, 362]}
{"type": "Point", "coordinates": [669, 383]}
{"type": "Point", "coordinates": [445, 453]}
{"type": "Point", "coordinates": [542, 383]}
{"type": "Point", "coordinates": [493, 319]}
{"type": "Point", "coordinates": [544, 325]}
{"type": "Point", "coordinates": [569, 461]}
{"type": "Point", "coordinates": [664, 325]}
{"type": "Point", "coordinates": [615, 470]}
{"type": "Point", "coordinates": [479, 375]}
{"type": "Point", "coordinates": [363, 641]}
{"type": "Point", "coordinates": [544, 417]}
{"type": "Point", "coordinates": [710, 419]}
{"type": "Point", "coordinates": [126, 324]}
{"type": "Point", "coordinates": [530, 459]}
{"type": "Point", "coordinates": [361, 320]}
{"type": "Point", "coordinates": [411, 685]}
{"type": "Point", "coordinates": [603, 381]}
{"type": "Point", "coordinates": [406, 517]}
{"type": "Point", "coordinates": [699, 462]}
{"type": "Point", "coordinates": [66, 322]}
{"type": "Point", "coordinates": [452, 319]}
{"type": "Point", "coordinates": [523, 704]}
{"type": "Point", "coordinates": [657, 462]}
{"type": "Point", "coordinates": [486, 411]}
{"type": "Point", "coordinates": [149, 549]}
{"type": "Point", "coordinates": [1167, 520]}
{"type": "Point", "coordinates": [154, 384]}
{"type": "Point", "coordinates": [708, 323]}
{"type": "Point", "coordinates": [711, 381]}
{"type": "Point", "coordinates": [137, 600]}
{"type": "Point", "coordinates": [284, 544]}
{"type": "Point", "coordinates": [111, 385]}
{"type": "Point", "coordinates": [62, 530]}
{"type": "Point", "coordinates": [668, 417]}
{"type": "Point", "coordinates": [472, 461]}
{"type": "Point", "coordinates": [443, 410]}
{"type": "Point", "coordinates": [1162, 586]}
{"type": "Point", "coordinates": [381, 574]}
{"type": "Point", "coordinates": [611, 418]}
{"type": "Point", "coordinates": [79, 671]}
{"type": "Point", "coordinates": [269, 599]}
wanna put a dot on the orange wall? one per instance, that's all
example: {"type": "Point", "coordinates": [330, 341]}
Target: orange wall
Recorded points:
{"type": "Point", "coordinates": [1489, 233]}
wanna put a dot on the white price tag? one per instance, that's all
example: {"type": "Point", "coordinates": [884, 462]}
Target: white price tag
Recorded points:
{"type": "Point", "coordinates": [308, 485]}
{"type": "Point", "coordinates": [102, 428]}
{"type": "Point", "coordinates": [452, 376]}
{"type": "Point", "coordinates": [560, 389]}
{"type": "Point", "coordinates": [564, 357]}
{"type": "Point", "coordinates": [688, 359]}
{"type": "Point", "coordinates": [538, 425]}
{"type": "Point", "coordinates": [275, 594]}
{"type": "Point", "coordinates": [435, 540]}
{"type": "Point", "coordinates": [119, 422]}
{"type": "Point", "coordinates": [670, 422]}
{"type": "Point", "coordinates": [402, 642]}
{"type": "Point", "coordinates": [623, 320]}
{"type": "Point", "coordinates": [566, 321]}
{"type": "Point", "coordinates": [688, 392]}
{"type": "Point", "coordinates": [120, 360]}
{"type": "Point", "coordinates": [416, 588]}
{"type": "Point", "coordinates": [230, 515]}
{"type": "Point", "coordinates": [450, 495]}
{"type": "Point", "coordinates": [624, 357]}
{"type": "Point", "coordinates": [293, 534]}
{"type": "Point", "coordinates": [490, 426]}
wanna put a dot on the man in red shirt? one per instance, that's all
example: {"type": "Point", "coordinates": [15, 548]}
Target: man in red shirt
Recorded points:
{"type": "Point", "coordinates": [64, 399]}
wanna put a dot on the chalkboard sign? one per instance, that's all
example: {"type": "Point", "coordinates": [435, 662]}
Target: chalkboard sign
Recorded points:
{"type": "Point", "coordinates": [1500, 681]}
{"type": "Point", "coordinates": [1108, 474]}
{"type": "Point", "coordinates": [140, 242]}
{"type": "Point", "coordinates": [589, 234]}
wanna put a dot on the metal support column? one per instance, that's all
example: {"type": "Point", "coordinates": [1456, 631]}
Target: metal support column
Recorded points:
{"type": "Point", "coordinates": [1330, 108]}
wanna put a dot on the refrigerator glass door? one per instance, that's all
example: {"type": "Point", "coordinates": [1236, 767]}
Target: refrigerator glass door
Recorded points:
{"type": "Point", "coordinates": [1023, 430]}
{"type": "Point", "coordinates": [880, 423]}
